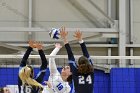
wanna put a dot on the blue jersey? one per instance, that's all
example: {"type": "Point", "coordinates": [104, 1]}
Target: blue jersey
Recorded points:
{"type": "Point", "coordinates": [83, 83]}
{"type": "Point", "coordinates": [39, 77]}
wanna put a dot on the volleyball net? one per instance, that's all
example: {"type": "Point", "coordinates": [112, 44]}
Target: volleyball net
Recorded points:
{"type": "Point", "coordinates": [108, 73]}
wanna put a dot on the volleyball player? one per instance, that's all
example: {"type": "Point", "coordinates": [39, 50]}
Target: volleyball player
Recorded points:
{"type": "Point", "coordinates": [58, 82]}
{"type": "Point", "coordinates": [82, 74]}
{"type": "Point", "coordinates": [4, 90]}
{"type": "Point", "coordinates": [29, 83]}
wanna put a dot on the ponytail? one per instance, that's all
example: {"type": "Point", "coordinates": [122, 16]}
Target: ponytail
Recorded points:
{"type": "Point", "coordinates": [25, 76]}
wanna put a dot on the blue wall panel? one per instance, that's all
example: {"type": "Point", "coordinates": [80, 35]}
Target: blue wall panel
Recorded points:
{"type": "Point", "coordinates": [137, 80]}
{"type": "Point", "coordinates": [101, 82]}
{"type": "Point", "coordinates": [8, 76]}
{"type": "Point", "coordinates": [122, 80]}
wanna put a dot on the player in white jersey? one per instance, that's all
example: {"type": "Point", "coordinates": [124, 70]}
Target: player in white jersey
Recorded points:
{"type": "Point", "coordinates": [58, 82]}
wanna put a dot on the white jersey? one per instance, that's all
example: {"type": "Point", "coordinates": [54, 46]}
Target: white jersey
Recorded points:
{"type": "Point", "coordinates": [47, 90]}
{"type": "Point", "coordinates": [55, 79]}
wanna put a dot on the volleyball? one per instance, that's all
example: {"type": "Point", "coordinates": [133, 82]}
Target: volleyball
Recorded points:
{"type": "Point", "coordinates": [54, 33]}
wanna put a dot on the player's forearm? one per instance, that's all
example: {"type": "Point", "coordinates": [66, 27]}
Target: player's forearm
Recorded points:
{"type": "Point", "coordinates": [84, 48]}
{"type": "Point", "coordinates": [65, 40]}
{"type": "Point", "coordinates": [52, 66]}
{"type": "Point", "coordinates": [85, 51]}
{"type": "Point", "coordinates": [42, 55]}
{"type": "Point", "coordinates": [55, 51]}
{"type": "Point", "coordinates": [69, 51]}
{"type": "Point", "coordinates": [44, 60]}
{"type": "Point", "coordinates": [25, 57]}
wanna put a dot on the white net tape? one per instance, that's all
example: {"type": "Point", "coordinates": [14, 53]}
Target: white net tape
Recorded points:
{"type": "Point", "coordinates": [66, 56]}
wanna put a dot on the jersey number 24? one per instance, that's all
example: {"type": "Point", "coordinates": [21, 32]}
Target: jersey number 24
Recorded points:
{"type": "Point", "coordinates": [83, 80]}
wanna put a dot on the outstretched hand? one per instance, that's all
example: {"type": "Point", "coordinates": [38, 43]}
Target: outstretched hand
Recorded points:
{"type": "Point", "coordinates": [39, 45]}
{"type": "Point", "coordinates": [32, 44]}
{"type": "Point", "coordinates": [64, 34]}
{"type": "Point", "coordinates": [58, 45]}
{"type": "Point", "coordinates": [78, 35]}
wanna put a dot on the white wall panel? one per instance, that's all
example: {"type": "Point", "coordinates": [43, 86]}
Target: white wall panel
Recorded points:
{"type": "Point", "coordinates": [136, 32]}
{"type": "Point", "coordinates": [136, 13]}
{"type": "Point", "coordinates": [14, 10]}
{"type": "Point", "coordinates": [46, 13]}
{"type": "Point", "coordinates": [61, 12]}
{"type": "Point", "coordinates": [55, 10]}
{"type": "Point", "coordinates": [13, 36]}
{"type": "Point", "coordinates": [13, 24]}
{"type": "Point", "coordinates": [58, 24]}
{"type": "Point", "coordinates": [136, 21]}
{"type": "Point", "coordinates": [102, 4]}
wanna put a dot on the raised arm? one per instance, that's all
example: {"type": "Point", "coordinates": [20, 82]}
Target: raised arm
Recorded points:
{"type": "Point", "coordinates": [78, 36]}
{"type": "Point", "coordinates": [71, 58]}
{"type": "Point", "coordinates": [64, 34]}
{"type": "Point", "coordinates": [24, 61]}
{"type": "Point", "coordinates": [69, 52]}
{"type": "Point", "coordinates": [52, 64]}
{"type": "Point", "coordinates": [27, 53]}
{"type": "Point", "coordinates": [43, 67]}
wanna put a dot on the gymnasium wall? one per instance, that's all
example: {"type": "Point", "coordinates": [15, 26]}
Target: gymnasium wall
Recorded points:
{"type": "Point", "coordinates": [8, 76]}
{"type": "Point", "coordinates": [55, 13]}
{"type": "Point", "coordinates": [136, 26]}
{"type": "Point", "coordinates": [46, 13]}
{"type": "Point", "coordinates": [136, 21]}
{"type": "Point", "coordinates": [120, 80]}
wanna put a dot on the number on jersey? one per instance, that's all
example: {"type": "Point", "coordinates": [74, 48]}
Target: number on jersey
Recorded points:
{"type": "Point", "coordinates": [83, 80]}
{"type": "Point", "coordinates": [60, 86]}
{"type": "Point", "coordinates": [28, 89]}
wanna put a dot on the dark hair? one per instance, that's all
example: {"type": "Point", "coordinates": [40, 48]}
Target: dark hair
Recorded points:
{"type": "Point", "coordinates": [84, 66]}
{"type": "Point", "coordinates": [1, 90]}
{"type": "Point", "coordinates": [32, 71]}
{"type": "Point", "coordinates": [69, 79]}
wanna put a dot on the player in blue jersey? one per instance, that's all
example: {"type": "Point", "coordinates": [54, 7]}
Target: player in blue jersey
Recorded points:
{"type": "Point", "coordinates": [29, 83]}
{"type": "Point", "coordinates": [82, 74]}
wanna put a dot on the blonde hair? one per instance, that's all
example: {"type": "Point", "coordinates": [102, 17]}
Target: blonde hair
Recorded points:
{"type": "Point", "coordinates": [24, 75]}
